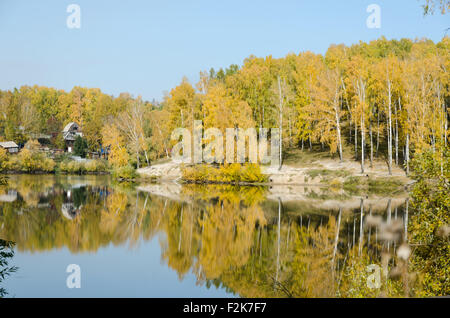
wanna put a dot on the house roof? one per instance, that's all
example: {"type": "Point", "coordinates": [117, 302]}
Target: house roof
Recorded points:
{"type": "Point", "coordinates": [69, 126]}
{"type": "Point", "coordinates": [8, 144]}
{"type": "Point", "coordinates": [71, 135]}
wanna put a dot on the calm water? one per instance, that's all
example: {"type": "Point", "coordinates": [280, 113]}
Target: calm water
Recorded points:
{"type": "Point", "coordinates": [191, 241]}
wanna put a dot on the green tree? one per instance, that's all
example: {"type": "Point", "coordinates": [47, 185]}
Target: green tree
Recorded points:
{"type": "Point", "coordinates": [80, 147]}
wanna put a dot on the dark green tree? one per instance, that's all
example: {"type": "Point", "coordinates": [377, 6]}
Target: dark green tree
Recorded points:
{"type": "Point", "coordinates": [80, 147]}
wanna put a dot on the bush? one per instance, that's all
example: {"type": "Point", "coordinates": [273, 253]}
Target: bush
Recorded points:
{"type": "Point", "coordinates": [14, 164]}
{"type": "Point", "coordinates": [26, 161]}
{"type": "Point", "coordinates": [77, 167]}
{"type": "Point", "coordinates": [30, 161]}
{"type": "Point", "coordinates": [232, 173]}
{"type": "Point", "coordinates": [96, 166]}
{"type": "Point", "coordinates": [48, 165]}
{"type": "Point", "coordinates": [125, 172]}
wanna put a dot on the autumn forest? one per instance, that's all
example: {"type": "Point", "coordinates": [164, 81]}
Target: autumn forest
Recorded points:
{"type": "Point", "coordinates": [384, 99]}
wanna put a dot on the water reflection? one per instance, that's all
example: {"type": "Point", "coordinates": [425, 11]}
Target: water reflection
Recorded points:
{"type": "Point", "coordinates": [229, 237]}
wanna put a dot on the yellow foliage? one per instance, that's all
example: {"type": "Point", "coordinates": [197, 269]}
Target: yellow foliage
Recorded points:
{"type": "Point", "coordinates": [32, 145]}
{"type": "Point", "coordinates": [230, 173]}
{"type": "Point", "coordinates": [118, 155]}
{"type": "Point", "coordinates": [3, 159]}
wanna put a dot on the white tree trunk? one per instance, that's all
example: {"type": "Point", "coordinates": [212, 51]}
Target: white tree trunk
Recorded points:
{"type": "Point", "coordinates": [281, 121]}
{"type": "Point", "coordinates": [338, 131]}
{"type": "Point", "coordinates": [362, 142]}
{"type": "Point", "coordinates": [389, 128]}
{"type": "Point", "coordinates": [407, 154]}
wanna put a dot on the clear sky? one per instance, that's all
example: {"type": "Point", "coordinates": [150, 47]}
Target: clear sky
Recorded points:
{"type": "Point", "coordinates": [146, 47]}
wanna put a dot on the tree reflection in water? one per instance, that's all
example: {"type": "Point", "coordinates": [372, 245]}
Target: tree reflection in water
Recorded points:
{"type": "Point", "coordinates": [231, 237]}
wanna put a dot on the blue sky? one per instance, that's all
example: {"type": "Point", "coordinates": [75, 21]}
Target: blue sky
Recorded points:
{"type": "Point", "coordinates": [146, 47]}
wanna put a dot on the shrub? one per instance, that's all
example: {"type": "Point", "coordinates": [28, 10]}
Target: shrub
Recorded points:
{"type": "Point", "coordinates": [96, 166]}
{"type": "Point", "coordinates": [27, 161]}
{"type": "Point", "coordinates": [30, 161]}
{"type": "Point", "coordinates": [14, 164]}
{"type": "Point", "coordinates": [72, 167]}
{"type": "Point", "coordinates": [48, 165]}
{"type": "Point", "coordinates": [63, 166]}
{"type": "Point", "coordinates": [232, 173]}
{"type": "Point", "coordinates": [125, 172]}
{"type": "Point", "coordinates": [79, 167]}
{"type": "Point", "coordinates": [252, 173]}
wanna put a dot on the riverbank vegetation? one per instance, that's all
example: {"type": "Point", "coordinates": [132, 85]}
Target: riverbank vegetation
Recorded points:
{"type": "Point", "coordinates": [27, 161]}
{"type": "Point", "coordinates": [32, 160]}
{"type": "Point", "coordinates": [82, 167]}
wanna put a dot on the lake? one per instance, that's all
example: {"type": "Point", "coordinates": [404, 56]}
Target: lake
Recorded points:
{"type": "Point", "coordinates": [171, 240]}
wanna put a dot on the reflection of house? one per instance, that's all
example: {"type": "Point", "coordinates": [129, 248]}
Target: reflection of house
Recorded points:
{"type": "Point", "coordinates": [69, 210]}
{"type": "Point", "coordinates": [10, 146]}
{"type": "Point", "coordinates": [70, 133]}
{"type": "Point", "coordinates": [11, 196]}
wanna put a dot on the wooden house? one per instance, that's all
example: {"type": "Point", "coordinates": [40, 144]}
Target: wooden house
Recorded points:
{"type": "Point", "coordinates": [70, 133]}
{"type": "Point", "coordinates": [10, 146]}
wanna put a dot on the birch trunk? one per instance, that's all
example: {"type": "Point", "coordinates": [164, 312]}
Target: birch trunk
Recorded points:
{"type": "Point", "coordinates": [371, 145]}
{"type": "Point", "coordinates": [338, 131]}
{"type": "Point", "coordinates": [378, 131]}
{"type": "Point", "coordinates": [390, 127]}
{"type": "Point", "coordinates": [356, 140]}
{"type": "Point", "coordinates": [396, 136]}
{"type": "Point", "coordinates": [281, 121]}
{"type": "Point", "coordinates": [362, 142]}
{"type": "Point", "coordinates": [407, 154]}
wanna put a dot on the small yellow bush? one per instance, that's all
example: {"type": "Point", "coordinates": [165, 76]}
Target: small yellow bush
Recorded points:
{"type": "Point", "coordinates": [231, 173]}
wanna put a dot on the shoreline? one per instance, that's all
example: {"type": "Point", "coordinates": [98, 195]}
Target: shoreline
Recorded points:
{"type": "Point", "coordinates": [323, 174]}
